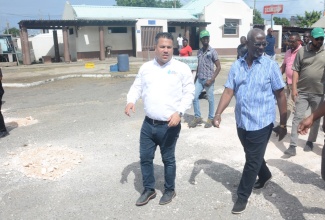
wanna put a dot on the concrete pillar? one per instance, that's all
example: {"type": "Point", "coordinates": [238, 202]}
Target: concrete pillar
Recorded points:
{"type": "Point", "coordinates": [101, 43]}
{"type": "Point", "coordinates": [25, 46]}
{"type": "Point", "coordinates": [56, 46]}
{"type": "Point", "coordinates": [187, 33]}
{"type": "Point", "coordinates": [66, 45]}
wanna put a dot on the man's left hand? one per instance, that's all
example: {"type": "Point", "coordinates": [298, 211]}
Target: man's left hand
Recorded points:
{"type": "Point", "coordinates": [282, 132]}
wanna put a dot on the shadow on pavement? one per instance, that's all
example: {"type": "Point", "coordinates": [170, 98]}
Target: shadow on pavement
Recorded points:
{"type": "Point", "coordinates": [288, 205]}
{"type": "Point", "coordinates": [138, 184]}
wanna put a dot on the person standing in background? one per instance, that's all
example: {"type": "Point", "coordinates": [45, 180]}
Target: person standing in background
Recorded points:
{"type": "Point", "coordinates": [294, 44]}
{"type": "Point", "coordinates": [270, 48]}
{"type": "Point", "coordinates": [3, 130]}
{"type": "Point", "coordinates": [307, 87]}
{"type": "Point", "coordinates": [180, 42]}
{"type": "Point", "coordinates": [186, 50]}
{"type": "Point", "coordinates": [205, 77]}
{"type": "Point", "coordinates": [306, 38]}
{"type": "Point", "coordinates": [242, 47]}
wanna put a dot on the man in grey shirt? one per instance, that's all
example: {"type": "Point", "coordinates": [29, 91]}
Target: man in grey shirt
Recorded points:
{"type": "Point", "coordinates": [307, 86]}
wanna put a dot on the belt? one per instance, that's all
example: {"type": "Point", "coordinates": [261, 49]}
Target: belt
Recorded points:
{"type": "Point", "coordinates": [155, 122]}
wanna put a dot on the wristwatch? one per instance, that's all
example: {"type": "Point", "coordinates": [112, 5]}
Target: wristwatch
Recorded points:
{"type": "Point", "coordinates": [180, 114]}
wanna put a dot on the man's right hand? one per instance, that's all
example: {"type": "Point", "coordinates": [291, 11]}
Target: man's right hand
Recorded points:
{"type": "Point", "coordinates": [128, 107]}
{"type": "Point", "coordinates": [294, 95]}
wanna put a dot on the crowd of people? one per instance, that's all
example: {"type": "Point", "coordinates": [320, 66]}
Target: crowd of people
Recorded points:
{"type": "Point", "coordinates": [255, 79]}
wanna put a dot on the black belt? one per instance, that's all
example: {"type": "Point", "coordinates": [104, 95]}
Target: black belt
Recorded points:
{"type": "Point", "coordinates": [155, 122]}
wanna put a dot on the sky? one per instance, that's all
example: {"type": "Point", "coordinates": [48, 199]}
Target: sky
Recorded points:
{"type": "Point", "coordinates": [13, 11]}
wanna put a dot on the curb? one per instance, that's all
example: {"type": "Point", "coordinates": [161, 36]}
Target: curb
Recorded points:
{"type": "Point", "coordinates": [37, 83]}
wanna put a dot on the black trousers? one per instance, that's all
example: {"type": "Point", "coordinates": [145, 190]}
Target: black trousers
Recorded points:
{"type": "Point", "coordinates": [254, 143]}
{"type": "Point", "coordinates": [2, 122]}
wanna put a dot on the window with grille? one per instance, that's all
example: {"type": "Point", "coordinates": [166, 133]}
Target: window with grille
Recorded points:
{"type": "Point", "coordinates": [231, 28]}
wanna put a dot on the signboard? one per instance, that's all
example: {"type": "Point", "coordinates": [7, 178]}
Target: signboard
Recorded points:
{"type": "Point", "coordinates": [273, 9]}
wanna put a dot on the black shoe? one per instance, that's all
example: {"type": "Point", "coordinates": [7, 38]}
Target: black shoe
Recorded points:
{"type": "Point", "coordinates": [259, 184]}
{"type": "Point", "coordinates": [3, 134]}
{"type": "Point", "coordinates": [291, 151]}
{"type": "Point", "coordinates": [167, 197]}
{"type": "Point", "coordinates": [239, 206]}
{"type": "Point", "coordinates": [145, 197]}
{"type": "Point", "coordinates": [309, 146]}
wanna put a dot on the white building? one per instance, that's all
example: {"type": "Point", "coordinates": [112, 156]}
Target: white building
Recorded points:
{"type": "Point", "coordinates": [102, 31]}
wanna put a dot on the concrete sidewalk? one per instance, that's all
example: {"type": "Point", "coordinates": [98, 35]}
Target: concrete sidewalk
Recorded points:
{"type": "Point", "coordinates": [36, 74]}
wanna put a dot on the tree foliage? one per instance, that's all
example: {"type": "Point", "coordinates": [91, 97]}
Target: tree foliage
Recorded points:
{"type": "Point", "coordinates": [13, 31]}
{"type": "Point", "coordinates": [281, 21]}
{"type": "Point", "coordinates": [257, 19]}
{"type": "Point", "coordinates": [150, 3]}
{"type": "Point", "coordinates": [309, 19]}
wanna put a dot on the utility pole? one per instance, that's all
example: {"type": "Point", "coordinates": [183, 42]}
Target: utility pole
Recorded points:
{"type": "Point", "coordinates": [7, 27]}
{"type": "Point", "coordinates": [254, 7]}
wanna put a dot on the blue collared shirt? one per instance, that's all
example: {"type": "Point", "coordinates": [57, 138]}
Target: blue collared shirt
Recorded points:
{"type": "Point", "coordinates": [254, 91]}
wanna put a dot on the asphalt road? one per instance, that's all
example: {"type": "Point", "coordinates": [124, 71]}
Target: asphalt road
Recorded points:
{"type": "Point", "coordinates": [86, 115]}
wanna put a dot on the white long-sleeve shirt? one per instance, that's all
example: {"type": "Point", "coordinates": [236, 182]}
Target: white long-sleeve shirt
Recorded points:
{"type": "Point", "coordinates": [164, 89]}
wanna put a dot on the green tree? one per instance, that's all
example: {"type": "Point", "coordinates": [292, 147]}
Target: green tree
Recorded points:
{"type": "Point", "coordinates": [257, 19]}
{"type": "Point", "coordinates": [13, 31]}
{"type": "Point", "coordinates": [309, 19]}
{"type": "Point", "coordinates": [281, 21]}
{"type": "Point", "coordinates": [150, 3]}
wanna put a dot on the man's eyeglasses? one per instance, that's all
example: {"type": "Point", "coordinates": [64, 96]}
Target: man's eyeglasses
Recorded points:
{"type": "Point", "coordinates": [259, 44]}
{"type": "Point", "coordinates": [319, 39]}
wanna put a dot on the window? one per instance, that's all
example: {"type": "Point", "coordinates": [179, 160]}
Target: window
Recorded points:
{"type": "Point", "coordinates": [117, 30]}
{"type": "Point", "coordinates": [171, 29]}
{"type": "Point", "coordinates": [231, 28]}
{"type": "Point", "coordinates": [70, 31]}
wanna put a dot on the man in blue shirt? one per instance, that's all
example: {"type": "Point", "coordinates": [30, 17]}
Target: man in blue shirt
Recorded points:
{"type": "Point", "coordinates": [255, 81]}
{"type": "Point", "coordinates": [270, 48]}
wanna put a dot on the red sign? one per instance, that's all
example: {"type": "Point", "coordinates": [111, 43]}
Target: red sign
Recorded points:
{"type": "Point", "coordinates": [273, 9]}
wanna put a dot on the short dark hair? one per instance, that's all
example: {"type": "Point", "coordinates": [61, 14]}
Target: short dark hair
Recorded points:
{"type": "Point", "coordinates": [185, 39]}
{"type": "Point", "coordinates": [163, 35]}
{"type": "Point", "coordinates": [295, 34]}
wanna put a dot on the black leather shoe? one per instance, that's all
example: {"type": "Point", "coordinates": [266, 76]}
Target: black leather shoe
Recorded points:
{"type": "Point", "coordinates": [167, 197]}
{"type": "Point", "coordinates": [259, 184]}
{"type": "Point", "coordinates": [3, 134]}
{"type": "Point", "coordinates": [239, 206]}
{"type": "Point", "coordinates": [146, 195]}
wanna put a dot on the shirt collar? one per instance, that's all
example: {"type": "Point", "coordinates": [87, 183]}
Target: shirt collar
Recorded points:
{"type": "Point", "coordinates": [166, 64]}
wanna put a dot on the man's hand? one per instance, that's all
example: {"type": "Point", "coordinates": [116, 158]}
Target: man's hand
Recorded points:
{"type": "Point", "coordinates": [174, 120]}
{"type": "Point", "coordinates": [217, 120]}
{"type": "Point", "coordinates": [282, 132]}
{"type": "Point", "coordinates": [294, 95]}
{"type": "Point", "coordinates": [128, 107]}
{"type": "Point", "coordinates": [209, 82]}
{"type": "Point", "coordinates": [305, 124]}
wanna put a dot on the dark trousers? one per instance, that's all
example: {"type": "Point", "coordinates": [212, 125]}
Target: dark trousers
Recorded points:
{"type": "Point", "coordinates": [2, 122]}
{"type": "Point", "coordinates": [254, 143]}
{"type": "Point", "coordinates": [166, 137]}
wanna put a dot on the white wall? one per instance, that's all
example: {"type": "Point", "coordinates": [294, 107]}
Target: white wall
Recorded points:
{"type": "Point", "coordinates": [144, 22]}
{"type": "Point", "coordinates": [118, 41]}
{"type": "Point", "coordinates": [217, 12]}
{"type": "Point", "coordinates": [43, 44]}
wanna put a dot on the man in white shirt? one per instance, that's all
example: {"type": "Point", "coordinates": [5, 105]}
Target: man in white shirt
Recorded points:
{"type": "Point", "coordinates": [180, 42]}
{"type": "Point", "coordinates": [167, 90]}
